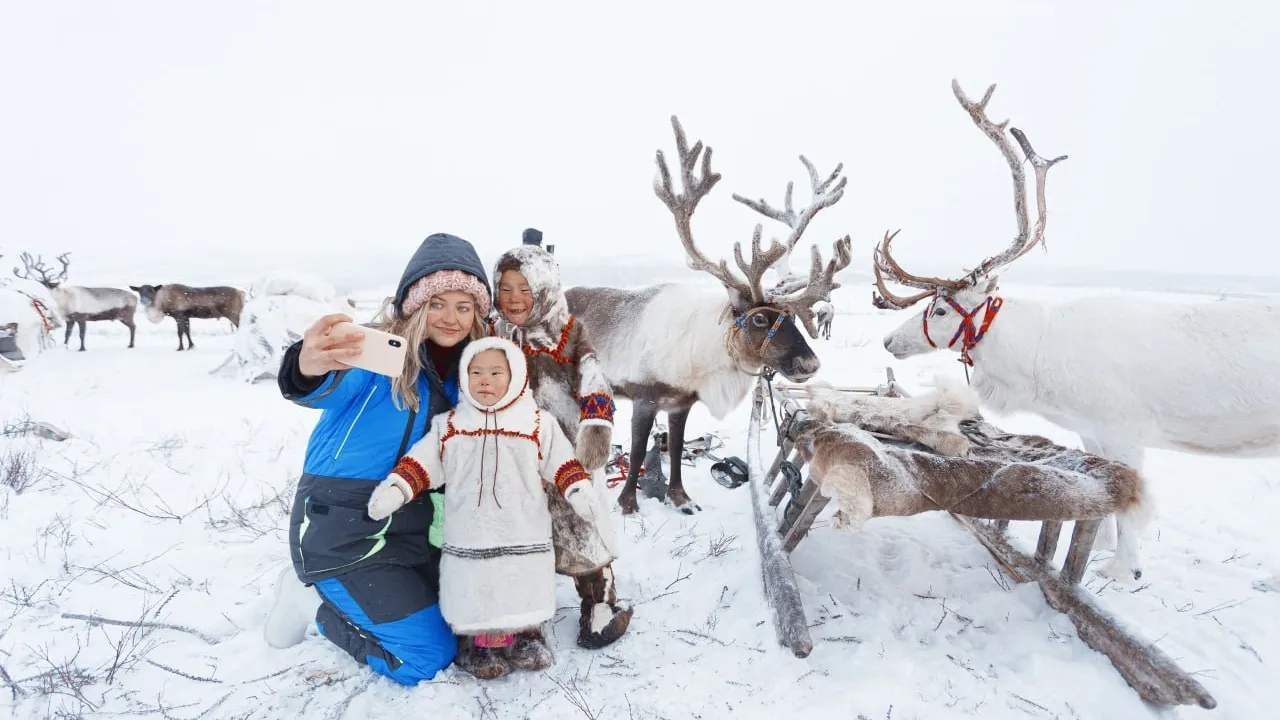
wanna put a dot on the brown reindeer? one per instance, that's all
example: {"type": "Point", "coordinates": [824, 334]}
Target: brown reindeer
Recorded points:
{"type": "Point", "coordinates": [183, 302]}
{"type": "Point", "coordinates": [80, 305]}
{"type": "Point", "coordinates": [669, 346]}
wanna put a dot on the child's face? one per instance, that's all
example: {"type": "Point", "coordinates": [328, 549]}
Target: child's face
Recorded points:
{"type": "Point", "coordinates": [515, 297]}
{"type": "Point", "coordinates": [488, 377]}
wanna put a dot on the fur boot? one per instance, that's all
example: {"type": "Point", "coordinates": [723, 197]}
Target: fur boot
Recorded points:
{"type": "Point", "coordinates": [530, 651]}
{"type": "Point", "coordinates": [486, 663]}
{"type": "Point", "coordinates": [603, 619]}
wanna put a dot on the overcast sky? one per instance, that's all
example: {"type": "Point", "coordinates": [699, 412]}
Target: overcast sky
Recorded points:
{"type": "Point", "coordinates": [360, 128]}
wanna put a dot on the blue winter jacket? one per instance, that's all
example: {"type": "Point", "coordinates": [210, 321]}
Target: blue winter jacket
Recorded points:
{"type": "Point", "coordinates": [356, 442]}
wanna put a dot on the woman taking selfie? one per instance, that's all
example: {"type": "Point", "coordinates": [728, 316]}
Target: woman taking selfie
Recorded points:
{"type": "Point", "coordinates": [377, 581]}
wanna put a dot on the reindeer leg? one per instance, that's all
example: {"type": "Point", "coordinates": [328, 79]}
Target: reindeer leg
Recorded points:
{"type": "Point", "coordinates": [186, 327]}
{"type": "Point", "coordinates": [675, 445]}
{"type": "Point", "coordinates": [82, 323]}
{"type": "Point", "coordinates": [643, 413]}
{"type": "Point", "coordinates": [1125, 529]}
{"type": "Point", "coordinates": [128, 322]}
{"type": "Point", "coordinates": [71, 324]}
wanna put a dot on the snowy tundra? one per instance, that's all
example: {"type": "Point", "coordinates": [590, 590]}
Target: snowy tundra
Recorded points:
{"type": "Point", "coordinates": [177, 518]}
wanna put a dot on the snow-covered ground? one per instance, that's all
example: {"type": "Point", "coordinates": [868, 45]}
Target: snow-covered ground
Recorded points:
{"type": "Point", "coordinates": [171, 500]}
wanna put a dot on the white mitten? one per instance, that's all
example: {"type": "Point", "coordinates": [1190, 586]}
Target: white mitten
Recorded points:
{"type": "Point", "coordinates": [583, 499]}
{"type": "Point", "coordinates": [390, 495]}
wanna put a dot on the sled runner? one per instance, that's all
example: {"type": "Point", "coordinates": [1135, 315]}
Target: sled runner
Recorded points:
{"type": "Point", "coordinates": [863, 454]}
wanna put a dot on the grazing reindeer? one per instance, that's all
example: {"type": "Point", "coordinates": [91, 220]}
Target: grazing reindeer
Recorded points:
{"type": "Point", "coordinates": [825, 313]}
{"type": "Point", "coordinates": [668, 346]}
{"type": "Point", "coordinates": [1126, 373]}
{"type": "Point", "coordinates": [80, 305]}
{"type": "Point", "coordinates": [182, 302]}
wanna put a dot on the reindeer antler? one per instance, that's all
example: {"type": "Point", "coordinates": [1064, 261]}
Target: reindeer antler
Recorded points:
{"type": "Point", "coordinates": [824, 196]}
{"type": "Point", "coordinates": [36, 265]}
{"type": "Point", "coordinates": [1026, 239]}
{"type": "Point", "coordinates": [820, 283]}
{"type": "Point", "coordinates": [682, 207]}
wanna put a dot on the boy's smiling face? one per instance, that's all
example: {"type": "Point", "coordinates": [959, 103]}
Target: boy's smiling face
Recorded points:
{"type": "Point", "coordinates": [488, 377]}
{"type": "Point", "coordinates": [515, 297]}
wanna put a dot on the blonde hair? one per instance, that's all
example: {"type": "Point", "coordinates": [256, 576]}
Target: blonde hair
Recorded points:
{"type": "Point", "coordinates": [404, 388]}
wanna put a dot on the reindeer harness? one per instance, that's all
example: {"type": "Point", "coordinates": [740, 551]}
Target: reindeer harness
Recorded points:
{"type": "Point", "coordinates": [968, 334]}
{"type": "Point", "coordinates": [741, 324]}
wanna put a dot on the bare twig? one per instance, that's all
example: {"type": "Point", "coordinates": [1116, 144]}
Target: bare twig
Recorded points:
{"type": "Point", "coordinates": [99, 620]}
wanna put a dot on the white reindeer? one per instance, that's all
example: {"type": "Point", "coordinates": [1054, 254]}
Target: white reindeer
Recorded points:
{"type": "Point", "coordinates": [668, 346]}
{"type": "Point", "coordinates": [825, 312]}
{"type": "Point", "coordinates": [1126, 373]}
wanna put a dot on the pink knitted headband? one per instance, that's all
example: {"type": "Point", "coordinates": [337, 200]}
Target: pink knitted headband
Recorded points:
{"type": "Point", "coordinates": [442, 282]}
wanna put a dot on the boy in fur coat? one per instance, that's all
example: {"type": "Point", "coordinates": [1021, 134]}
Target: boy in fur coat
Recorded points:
{"type": "Point", "coordinates": [494, 452]}
{"type": "Point", "coordinates": [566, 381]}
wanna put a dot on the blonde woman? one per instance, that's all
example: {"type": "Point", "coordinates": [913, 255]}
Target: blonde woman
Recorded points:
{"type": "Point", "coordinates": [377, 581]}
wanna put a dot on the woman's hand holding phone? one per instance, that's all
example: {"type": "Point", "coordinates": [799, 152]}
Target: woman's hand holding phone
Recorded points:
{"type": "Point", "coordinates": [323, 346]}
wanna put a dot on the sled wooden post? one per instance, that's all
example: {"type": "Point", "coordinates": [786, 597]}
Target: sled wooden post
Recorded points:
{"type": "Point", "coordinates": [780, 588]}
{"type": "Point", "coordinates": [1047, 547]}
{"type": "Point", "coordinates": [1082, 536]}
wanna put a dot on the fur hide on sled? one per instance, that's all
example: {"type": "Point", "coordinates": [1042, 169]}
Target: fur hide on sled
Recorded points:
{"type": "Point", "coordinates": [945, 457]}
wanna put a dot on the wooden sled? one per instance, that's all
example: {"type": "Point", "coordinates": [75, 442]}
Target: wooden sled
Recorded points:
{"type": "Point", "coordinates": [781, 526]}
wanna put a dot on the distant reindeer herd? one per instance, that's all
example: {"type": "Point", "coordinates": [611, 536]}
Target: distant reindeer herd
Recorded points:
{"type": "Point", "coordinates": [79, 305]}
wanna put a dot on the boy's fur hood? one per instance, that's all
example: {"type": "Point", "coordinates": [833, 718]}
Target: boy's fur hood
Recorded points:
{"type": "Point", "coordinates": [542, 272]}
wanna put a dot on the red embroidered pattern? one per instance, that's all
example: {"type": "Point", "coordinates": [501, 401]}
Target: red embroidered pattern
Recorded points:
{"type": "Point", "coordinates": [413, 473]}
{"type": "Point", "coordinates": [597, 406]}
{"type": "Point", "coordinates": [451, 432]}
{"type": "Point", "coordinates": [570, 473]}
{"type": "Point", "coordinates": [556, 353]}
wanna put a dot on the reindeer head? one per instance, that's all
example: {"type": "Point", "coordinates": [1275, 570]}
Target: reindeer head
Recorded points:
{"type": "Point", "coordinates": [958, 309]}
{"type": "Point", "coordinates": [765, 332]}
{"type": "Point", "coordinates": [147, 296]}
{"type": "Point", "coordinates": [35, 269]}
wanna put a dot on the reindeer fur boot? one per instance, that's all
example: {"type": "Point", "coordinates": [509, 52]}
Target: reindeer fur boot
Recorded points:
{"type": "Point", "coordinates": [530, 651]}
{"type": "Point", "coordinates": [603, 619]}
{"type": "Point", "coordinates": [486, 663]}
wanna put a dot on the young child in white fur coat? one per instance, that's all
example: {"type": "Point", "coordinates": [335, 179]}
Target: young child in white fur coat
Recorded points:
{"type": "Point", "coordinates": [494, 452]}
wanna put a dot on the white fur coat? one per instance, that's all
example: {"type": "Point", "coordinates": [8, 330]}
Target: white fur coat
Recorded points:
{"type": "Point", "coordinates": [497, 571]}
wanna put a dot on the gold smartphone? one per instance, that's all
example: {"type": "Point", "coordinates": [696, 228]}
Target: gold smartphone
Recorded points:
{"type": "Point", "coordinates": [380, 352]}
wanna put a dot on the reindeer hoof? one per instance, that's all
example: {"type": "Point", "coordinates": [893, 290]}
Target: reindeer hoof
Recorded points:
{"type": "Point", "coordinates": [628, 504]}
{"type": "Point", "coordinates": [1120, 572]}
{"type": "Point", "coordinates": [682, 502]}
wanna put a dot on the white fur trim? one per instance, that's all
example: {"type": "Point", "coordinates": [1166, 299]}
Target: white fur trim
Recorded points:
{"type": "Point", "coordinates": [402, 485]}
{"type": "Point", "coordinates": [515, 358]}
{"type": "Point", "coordinates": [595, 421]}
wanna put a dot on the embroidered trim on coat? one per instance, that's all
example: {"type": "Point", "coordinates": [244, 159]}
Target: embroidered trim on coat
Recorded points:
{"type": "Point", "coordinates": [556, 353]}
{"type": "Point", "coordinates": [413, 473]}
{"type": "Point", "coordinates": [570, 473]}
{"type": "Point", "coordinates": [597, 406]}
{"type": "Point", "coordinates": [451, 432]}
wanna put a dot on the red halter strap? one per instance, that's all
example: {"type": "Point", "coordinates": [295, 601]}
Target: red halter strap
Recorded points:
{"type": "Point", "coordinates": [968, 334]}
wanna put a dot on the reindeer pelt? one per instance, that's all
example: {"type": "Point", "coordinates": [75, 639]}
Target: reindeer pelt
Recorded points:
{"type": "Point", "coordinates": [931, 419]}
{"type": "Point", "coordinates": [1006, 477]}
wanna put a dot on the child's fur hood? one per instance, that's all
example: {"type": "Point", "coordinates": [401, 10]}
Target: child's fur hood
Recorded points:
{"type": "Point", "coordinates": [519, 386]}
